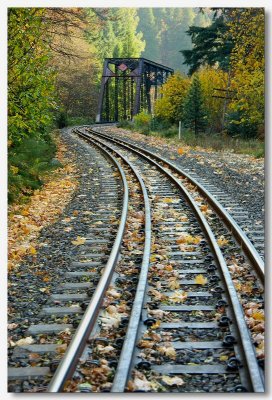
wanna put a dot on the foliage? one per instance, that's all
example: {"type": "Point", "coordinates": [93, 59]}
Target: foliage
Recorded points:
{"type": "Point", "coordinates": [31, 100]}
{"type": "Point", "coordinates": [142, 122]}
{"type": "Point", "coordinates": [211, 79]}
{"type": "Point", "coordinates": [247, 62]}
{"type": "Point", "coordinates": [194, 113]}
{"type": "Point", "coordinates": [211, 45]}
{"type": "Point", "coordinates": [169, 107]}
{"type": "Point", "coordinates": [30, 77]}
{"type": "Point", "coordinates": [118, 36]}
{"type": "Point", "coordinates": [164, 31]}
{"type": "Point", "coordinates": [238, 125]}
{"type": "Point", "coordinates": [27, 163]}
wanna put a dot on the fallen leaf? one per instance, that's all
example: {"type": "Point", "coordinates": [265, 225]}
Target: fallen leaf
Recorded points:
{"type": "Point", "coordinates": [32, 250]}
{"type": "Point", "coordinates": [79, 240]}
{"type": "Point", "coordinates": [141, 383]}
{"type": "Point", "coordinates": [145, 344]}
{"type": "Point", "coordinates": [105, 349]}
{"type": "Point", "coordinates": [258, 315]}
{"type": "Point", "coordinates": [25, 341]}
{"type": "Point", "coordinates": [173, 283]}
{"type": "Point", "coordinates": [171, 381]}
{"type": "Point", "coordinates": [222, 241]}
{"type": "Point", "coordinates": [178, 297]}
{"type": "Point", "coordinates": [180, 151]}
{"type": "Point", "coordinates": [156, 325]}
{"type": "Point", "coordinates": [200, 280]}
{"type": "Point", "coordinates": [168, 352]}
{"type": "Point", "coordinates": [61, 349]}
{"type": "Point", "coordinates": [158, 313]}
{"type": "Point", "coordinates": [12, 326]}
{"type": "Point", "coordinates": [223, 358]}
{"type": "Point", "coordinates": [34, 356]}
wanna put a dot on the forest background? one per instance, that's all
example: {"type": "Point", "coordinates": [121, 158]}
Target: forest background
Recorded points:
{"type": "Point", "coordinates": [55, 58]}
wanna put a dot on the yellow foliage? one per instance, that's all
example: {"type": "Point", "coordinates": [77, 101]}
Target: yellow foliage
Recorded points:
{"type": "Point", "coordinates": [200, 280]}
{"type": "Point", "coordinates": [174, 92]}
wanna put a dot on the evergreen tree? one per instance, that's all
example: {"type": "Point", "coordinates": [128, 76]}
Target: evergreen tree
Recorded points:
{"type": "Point", "coordinates": [211, 45]}
{"type": "Point", "coordinates": [194, 115]}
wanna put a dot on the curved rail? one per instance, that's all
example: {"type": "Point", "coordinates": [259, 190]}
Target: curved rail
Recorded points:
{"type": "Point", "coordinates": [238, 233]}
{"type": "Point", "coordinates": [75, 348]}
{"type": "Point", "coordinates": [248, 350]}
{"type": "Point", "coordinates": [124, 362]}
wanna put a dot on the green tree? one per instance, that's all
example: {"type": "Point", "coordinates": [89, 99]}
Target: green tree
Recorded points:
{"type": "Point", "coordinates": [118, 36]}
{"type": "Point", "coordinates": [164, 31]}
{"type": "Point", "coordinates": [31, 92]}
{"type": "Point", "coordinates": [194, 113]}
{"type": "Point", "coordinates": [211, 45]}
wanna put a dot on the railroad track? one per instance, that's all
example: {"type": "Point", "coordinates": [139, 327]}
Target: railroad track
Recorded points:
{"type": "Point", "coordinates": [166, 314]}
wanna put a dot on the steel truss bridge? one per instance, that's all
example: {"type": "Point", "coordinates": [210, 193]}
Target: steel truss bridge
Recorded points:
{"type": "Point", "coordinates": [129, 86]}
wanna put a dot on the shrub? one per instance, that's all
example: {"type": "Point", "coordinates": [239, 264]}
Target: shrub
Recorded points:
{"type": "Point", "coordinates": [237, 125]}
{"type": "Point", "coordinates": [27, 163]}
{"type": "Point", "coordinates": [142, 122]}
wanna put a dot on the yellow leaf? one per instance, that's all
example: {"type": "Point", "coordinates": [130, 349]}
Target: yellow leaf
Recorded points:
{"type": "Point", "coordinates": [258, 315]}
{"type": "Point", "coordinates": [180, 151]}
{"type": "Point", "coordinates": [156, 325]}
{"type": "Point", "coordinates": [32, 250]}
{"type": "Point", "coordinates": [200, 280]}
{"type": "Point", "coordinates": [153, 258]}
{"type": "Point", "coordinates": [222, 241]}
{"type": "Point", "coordinates": [223, 358]}
{"type": "Point", "coordinates": [25, 212]}
{"type": "Point", "coordinates": [167, 200]}
{"type": "Point", "coordinates": [79, 240]}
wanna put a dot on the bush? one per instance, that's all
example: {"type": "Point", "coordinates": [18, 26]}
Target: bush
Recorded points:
{"type": "Point", "coordinates": [237, 125]}
{"type": "Point", "coordinates": [61, 120]}
{"type": "Point", "coordinates": [125, 124]}
{"type": "Point", "coordinates": [27, 163]}
{"type": "Point", "coordinates": [142, 122]}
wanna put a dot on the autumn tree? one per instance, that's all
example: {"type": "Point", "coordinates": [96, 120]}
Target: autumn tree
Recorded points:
{"type": "Point", "coordinates": [213, 81]}
{"type": "Point", "coordinates": [170, 106]}
{"type": "Point", "coordinates": [194, 113]}
{"type": "Point", "coordinates": [246, 111]}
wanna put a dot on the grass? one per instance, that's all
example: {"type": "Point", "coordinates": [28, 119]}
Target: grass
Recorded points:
{"type": "Point", "coordinates": [217, 142]}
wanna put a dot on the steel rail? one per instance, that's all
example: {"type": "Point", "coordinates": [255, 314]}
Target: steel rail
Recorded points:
{"type": "Point", "coordinates": [124, 363]}
{"type": "Point", "coordinates": [256, 377]}
{"type": "Point", "coordinates": [229, 221]}
{"type": "Point", "coordinates": [75, 348]}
